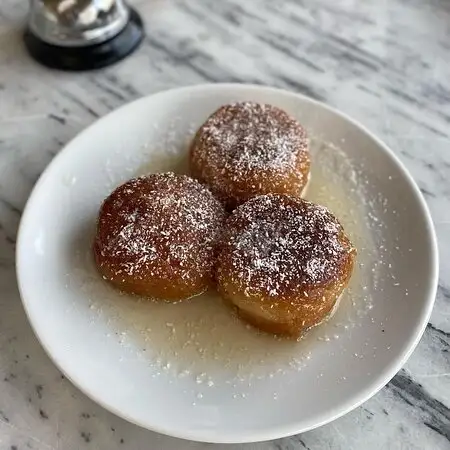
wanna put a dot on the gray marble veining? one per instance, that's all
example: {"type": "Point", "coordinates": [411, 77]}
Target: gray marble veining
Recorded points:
{"type": "Point", "coordinates": [386, 63]}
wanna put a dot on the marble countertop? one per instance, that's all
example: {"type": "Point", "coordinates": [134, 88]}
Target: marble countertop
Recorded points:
{"type": "Point", "coordinates": [387, 64]}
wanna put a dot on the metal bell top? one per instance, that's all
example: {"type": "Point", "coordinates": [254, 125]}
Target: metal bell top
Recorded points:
{"type": "Point", "coordinates": [81, 34]}
{"type": "Point", "coordinates": [74, 23]}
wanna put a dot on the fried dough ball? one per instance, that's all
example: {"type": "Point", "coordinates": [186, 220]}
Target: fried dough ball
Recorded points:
{"type": "Point", "coordinates": [248, 149]}
{"type": "Point", "coordinates": [156, 236]}
{"type": "Point", "coordinates": [283, 262]}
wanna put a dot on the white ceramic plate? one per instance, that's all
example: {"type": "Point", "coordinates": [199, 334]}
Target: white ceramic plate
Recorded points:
{"type": "Point", "coordinates": [192, 370]}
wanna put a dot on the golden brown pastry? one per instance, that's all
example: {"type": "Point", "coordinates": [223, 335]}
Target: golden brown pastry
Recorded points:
{"type": "Point", "coordinates": [156, 236]}
{"type": "Point", "coordinates": [248, 149]}
{"type": "Point", "coordinates": [283, 262]}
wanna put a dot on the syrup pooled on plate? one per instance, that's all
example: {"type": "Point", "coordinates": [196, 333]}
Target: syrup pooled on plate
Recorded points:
{"type": "Point", "coordinates": [201, 338]}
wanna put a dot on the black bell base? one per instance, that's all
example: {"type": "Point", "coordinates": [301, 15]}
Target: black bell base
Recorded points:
{"type": "Point", "coordinates": [88, 57]}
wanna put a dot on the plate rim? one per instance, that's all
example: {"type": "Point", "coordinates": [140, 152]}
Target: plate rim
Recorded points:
{"type": "Point", "coordinates": [278, 432]}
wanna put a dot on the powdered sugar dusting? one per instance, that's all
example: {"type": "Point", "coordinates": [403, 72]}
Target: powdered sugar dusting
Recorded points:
{"type": "Point", "coordinates": [204, 339]}
{"type": "Point", "coordinates": [278, 245]}
{"type": "Point", "coordinates": [254, 136]}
